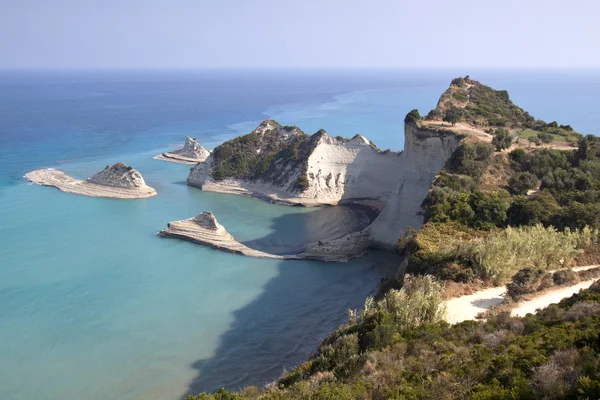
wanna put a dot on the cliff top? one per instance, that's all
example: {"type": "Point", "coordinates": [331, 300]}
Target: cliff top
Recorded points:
{"type": "Point", "coordinates": [482, 113]}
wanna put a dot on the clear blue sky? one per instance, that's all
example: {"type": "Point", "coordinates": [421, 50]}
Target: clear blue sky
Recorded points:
{"type": "Point", "coordinates": [305, 33]}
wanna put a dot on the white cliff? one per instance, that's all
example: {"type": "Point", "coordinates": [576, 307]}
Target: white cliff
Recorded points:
{"type": "Point", "coordinates": [117, 181]}
{"type": "Point", "coordinates": [339, 171]}
{"type": "Point", "coordinates": [425, 153]}
{"type": "Point", "coordinates": [191, 153]}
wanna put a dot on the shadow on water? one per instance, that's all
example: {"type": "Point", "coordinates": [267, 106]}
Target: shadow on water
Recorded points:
{"type": "Point", "coordinates": [284, 325]}
{"type": "Point", "coordinates": [297, 309]}
{"type": "Point", "coordinates": [292, 233]}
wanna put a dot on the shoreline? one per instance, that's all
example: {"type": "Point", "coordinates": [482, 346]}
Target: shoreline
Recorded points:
{"type": "Point", "coordinates": [174, 158]}
{"type": "Point", "coordinates": [68, 184]}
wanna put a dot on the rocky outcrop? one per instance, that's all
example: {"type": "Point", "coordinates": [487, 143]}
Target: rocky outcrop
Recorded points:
{"type": "Point", "coordinates": [317, 170]}
{"type": "Point", "coordinates": [338, 171]}
{"type": "Point", "coordinates": [206, 230]}
{"type": "Point", "coordinates": [118, 175]}
{"type": "Point", "coordinates": [118, 181]}
{"type": "Point", "coordinates": [191, 153]}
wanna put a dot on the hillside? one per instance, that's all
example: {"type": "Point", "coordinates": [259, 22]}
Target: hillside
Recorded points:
{"type": "Point", "coordinates": [499, 213]}
{"type": "Point", "coordinates": [478, 108]}
{"type": "Point", "coordinates": [399, 348]}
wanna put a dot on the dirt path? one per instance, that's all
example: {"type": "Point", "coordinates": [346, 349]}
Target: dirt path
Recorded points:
{"type": "Point", "coordinates": [555, 296]}
{"type": "Point", "coordinates": [468, 307]}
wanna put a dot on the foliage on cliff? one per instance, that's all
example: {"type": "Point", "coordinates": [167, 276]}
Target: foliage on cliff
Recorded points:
{"type": "Point", "coordinates": [554, 354]}
{"type": "Point", "coordinates": [474, 235]}
{"type": "Point", "coordinates": [271, 153]}
{"type": "Point", "coordinates": [469, 101]}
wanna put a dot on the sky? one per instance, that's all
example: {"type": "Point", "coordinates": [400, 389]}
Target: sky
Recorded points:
{"type": "Point", "coordinates": [172, 34]}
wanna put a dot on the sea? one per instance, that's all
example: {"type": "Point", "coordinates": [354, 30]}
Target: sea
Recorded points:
{"type": "Point", "coordinates": [93, 305]}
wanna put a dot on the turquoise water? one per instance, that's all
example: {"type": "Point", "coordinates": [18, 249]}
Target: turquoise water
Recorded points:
{"type": "Point", "coordinates": [93, 305]}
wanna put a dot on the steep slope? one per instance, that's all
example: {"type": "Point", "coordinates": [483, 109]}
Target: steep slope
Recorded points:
{"type": "Point", "coordinates": [282, 164]}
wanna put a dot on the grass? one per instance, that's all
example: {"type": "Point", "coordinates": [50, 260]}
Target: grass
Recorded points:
{"type": "Point", "coordinates": [527, 133]}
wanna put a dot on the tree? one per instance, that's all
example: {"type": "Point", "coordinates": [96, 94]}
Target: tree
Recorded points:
{"type": "Point", "coordinates": [413, 117]}
{"type": "Point", "coordinates": [453, 115]}
{"type": "Point", "coordinates": [521, 182]}
{"type": "Point", "coordinates": [502, 139]}
{"type": "Point", "coordinates": [545, 137]}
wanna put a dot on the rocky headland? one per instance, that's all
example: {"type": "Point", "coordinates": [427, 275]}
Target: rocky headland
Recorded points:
{"type": "Point", "coordinates": [285, 165]}
{"type": "Point", "coordinates": [118, 181]}
{"type": "Point", "coordinates": [191, 153]}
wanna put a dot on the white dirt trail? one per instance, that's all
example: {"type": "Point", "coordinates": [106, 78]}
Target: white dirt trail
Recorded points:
{"type": "Point", "coordinates": [465, 308]}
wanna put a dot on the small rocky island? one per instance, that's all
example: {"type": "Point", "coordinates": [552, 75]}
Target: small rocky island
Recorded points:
{"type": "Point", "coordinates": [206, 230]}
{"type": "Point", "coordinates": [118, 181]}
{"type": "Point", "coordinates": [191, 153]}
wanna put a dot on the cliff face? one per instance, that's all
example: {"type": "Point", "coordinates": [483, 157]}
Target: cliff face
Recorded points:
{"type": "Point", "coordinates": [118, 175]}
{"type": "Point", "coordinates": [335, 171]}
{"type": "Point", "coordinates": [302, 169]}
{"type": "Point", "coordinates": [425, 153]}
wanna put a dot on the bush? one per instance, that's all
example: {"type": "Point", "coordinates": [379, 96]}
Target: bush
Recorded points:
{"type": "Point", "coordinates": [472, 159]}
{"type": "Point", "coordinates": [545, 137]}
{"type": "Point", "coordinates": [522, 182]}
{"type": "Point", "coordinates": [565, 276]}
{"type": "Point", "coordinates": [502, 139]}
{"type": "Point", "coordinates": [497, 256]}
{"type": "Point", "coordinates": [453, 115]}
{"type": "Point", "coordinates": [517, 155]}
{"type": "Point", "coordinates": [412, 117]}
{"type": "Point", "coordinates": [528, 280]}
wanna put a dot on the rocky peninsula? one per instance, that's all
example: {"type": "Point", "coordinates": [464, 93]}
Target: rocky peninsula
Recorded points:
{"type": "Point", "coordinates": [191, 153]}
{"type": "Point", "coordinates": [206, 230]}
{"type": "Point", "coordinates": [118, 181]}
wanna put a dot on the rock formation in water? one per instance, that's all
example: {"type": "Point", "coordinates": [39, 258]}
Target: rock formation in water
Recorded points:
{"type": "Point", "coordinates": [191, 153]}
{"type": "Point", "coordinates": [117, 181]}
{"type": "Point", "coordinates": [206, 230]}
{"type": "Point", "coordinates": [284, 165]}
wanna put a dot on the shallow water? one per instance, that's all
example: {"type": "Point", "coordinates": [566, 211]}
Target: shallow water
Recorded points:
{"type": "Point", "coordinates": [94, 305]}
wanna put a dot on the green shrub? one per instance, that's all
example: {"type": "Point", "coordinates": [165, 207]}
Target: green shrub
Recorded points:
{"type": "Point", "coordinates": [412, 117]}
{"type": "Point", "coordinates": [502, 139]}
{"type": "Point", "coordinates": [517, 155]}
{"type": "Point", "coordinates": [499, 255]}
{"type": "Point", "coordinates": [565, 276]}
{"type": "Point", "coordinates": [528, 280]}
{"type": "Point", "coordinates": [471, 159]}
{"type": "Point", "coordinates": [453, 115]}
{"type": "Point", "coordinates": [522, 182]}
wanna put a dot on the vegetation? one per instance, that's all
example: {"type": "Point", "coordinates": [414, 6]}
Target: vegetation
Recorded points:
{"type": "Point", "coordinates": [381, 354]}
{"type": "Point", "coordinates": [412, 117]}
{"type": "Point", "coordinates": [262, 154]}
{"type": "Point", "coordinates": [502, 139]}
{"type": "Point", "coordinates": [452, 251]}
{"type": "Point", "coordinates": [469, 101]}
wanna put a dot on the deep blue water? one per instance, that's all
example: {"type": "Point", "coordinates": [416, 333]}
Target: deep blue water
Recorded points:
{"type": "Point", "coordinates": [94, 305]}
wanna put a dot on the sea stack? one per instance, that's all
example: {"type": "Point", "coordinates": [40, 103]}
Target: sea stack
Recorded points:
{"type": "Point", "coordinates": [191, 153]}
{"type": "Point", "coordinates": [118, 181]}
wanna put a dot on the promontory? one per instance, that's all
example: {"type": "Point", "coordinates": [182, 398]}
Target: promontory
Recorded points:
{"type": "Point", "coordinates": [118, 181]}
